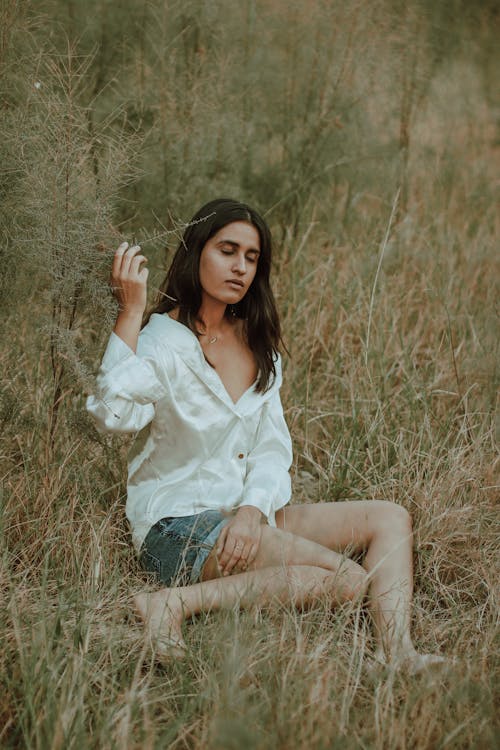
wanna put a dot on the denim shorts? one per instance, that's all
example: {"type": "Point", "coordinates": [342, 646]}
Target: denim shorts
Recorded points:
{"type": "Point", "coordinates": [175, 549]}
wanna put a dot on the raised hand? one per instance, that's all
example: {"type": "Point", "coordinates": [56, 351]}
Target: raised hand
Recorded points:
{"type": "Point", "coordinates": [128, 281]}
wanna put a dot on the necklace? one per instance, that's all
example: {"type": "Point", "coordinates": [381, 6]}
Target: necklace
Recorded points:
{"type": "Point", "coordinates": [211, 339]}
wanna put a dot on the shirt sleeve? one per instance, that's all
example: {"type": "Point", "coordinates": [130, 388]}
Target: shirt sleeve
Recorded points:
{"type": "Point", "coordinates": [128, 386]}
{"type": "Point", "coordinates": [267, 483]}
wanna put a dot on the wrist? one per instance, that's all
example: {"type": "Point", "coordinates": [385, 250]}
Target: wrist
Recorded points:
{"type": "Point", "coordinates": [250, 511]}
{"type": "Point", "coordinates": [128, 326]}
{"type": "Point", "coordinates": [130, 314]}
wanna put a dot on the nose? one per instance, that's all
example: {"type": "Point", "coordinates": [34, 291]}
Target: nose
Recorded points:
{"type": "Point", "coordinates": [240, 264]}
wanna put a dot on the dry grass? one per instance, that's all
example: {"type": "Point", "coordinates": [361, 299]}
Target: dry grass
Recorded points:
{"type": "Point", "coordinates": [403, 408]}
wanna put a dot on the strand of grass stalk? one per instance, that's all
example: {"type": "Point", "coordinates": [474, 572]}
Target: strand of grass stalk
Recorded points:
{"type": "Point", "coordinates": [379, 266]}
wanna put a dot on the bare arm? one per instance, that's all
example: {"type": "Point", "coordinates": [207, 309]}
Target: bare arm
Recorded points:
{"type": "Point", "coordinates": [129, 284]}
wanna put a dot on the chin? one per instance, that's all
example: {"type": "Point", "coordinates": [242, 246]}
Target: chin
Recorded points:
{"type": "Point", "coordinates": [232, 297]}
{"type": "Point", "coordinates": [228, 296]}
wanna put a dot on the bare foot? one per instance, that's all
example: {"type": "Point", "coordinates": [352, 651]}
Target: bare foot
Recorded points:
{"type": "Point", "coordinates": [416, 662]}
{"type": "Point", "coordinates": [162, 613]}
{"type": "Point", "coordinates": [411, 662]}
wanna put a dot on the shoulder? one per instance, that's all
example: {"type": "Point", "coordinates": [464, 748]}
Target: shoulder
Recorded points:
{"type": "Point", "coordinates": [163, 329]}
{"type": "Point", "coordinates": [168, 337]}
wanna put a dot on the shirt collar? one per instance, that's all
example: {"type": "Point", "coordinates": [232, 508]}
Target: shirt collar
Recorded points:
{"type": "Point", "coordinates": [177, 337]}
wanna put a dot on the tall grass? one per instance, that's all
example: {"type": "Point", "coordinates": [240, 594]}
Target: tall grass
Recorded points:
{"type": "Point", "coordinates": [390, 390]}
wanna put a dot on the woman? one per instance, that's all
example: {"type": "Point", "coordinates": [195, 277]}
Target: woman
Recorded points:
{"type": "Point", "coordinates": [208, 483]}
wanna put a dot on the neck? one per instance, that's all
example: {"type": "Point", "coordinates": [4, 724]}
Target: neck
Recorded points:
{"type": "Point", "coordinates": [211, 313]}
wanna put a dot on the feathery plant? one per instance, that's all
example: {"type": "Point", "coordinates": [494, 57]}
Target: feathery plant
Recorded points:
{"type": "Point", "coordinates": [59, 211]}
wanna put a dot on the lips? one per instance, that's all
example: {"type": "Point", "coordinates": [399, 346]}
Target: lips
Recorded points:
{"type": "Point", "coordinates": [235, 281]}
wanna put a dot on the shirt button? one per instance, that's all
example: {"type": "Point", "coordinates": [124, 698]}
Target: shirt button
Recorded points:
{"type": "Point", "coordinates": [241, 455]}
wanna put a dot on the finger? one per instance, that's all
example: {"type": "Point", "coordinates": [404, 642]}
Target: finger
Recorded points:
{"type": "Point", "coordinates": [221, 540]}
{"type": "Point", "coordinates": [227, 553]}
{"type": "Point", "coordinates": [128, 258]}
{"type": "Point", "coordinates": [133, 250]}
{"type": "Point", "coordinates": [243, 563]}
{"type": "Point", "coordinates": [117, 259]}
{"type": "Point", "coordinates": [225, 556]}
{"type": "Point", "coordinates": [252, 554]}
{"type": "Point", "coordinates": [238, 553]}
{"type": "Point", "coordinates": [136, 262]}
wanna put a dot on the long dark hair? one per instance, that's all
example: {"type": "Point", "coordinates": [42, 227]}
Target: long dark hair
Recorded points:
{"type": "Point", "coordinates": [182, 288]}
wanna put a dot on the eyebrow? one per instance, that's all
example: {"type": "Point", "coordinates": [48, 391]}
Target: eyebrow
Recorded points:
{"type": "Point", "coordinates": [236, 245]}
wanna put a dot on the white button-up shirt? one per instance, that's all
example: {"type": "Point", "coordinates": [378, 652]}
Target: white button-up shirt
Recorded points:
{"type": "Point", "coordinates": [196, 449]}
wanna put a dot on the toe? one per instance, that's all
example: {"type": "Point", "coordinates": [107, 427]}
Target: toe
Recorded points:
{"type": "Point", "coordinates": [425, 662]}
{"type": "Point", "coordinates": [168, 647]}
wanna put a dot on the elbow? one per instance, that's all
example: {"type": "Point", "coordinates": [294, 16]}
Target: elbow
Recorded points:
{"type": "Point", "coordinates": [111, 428]}
{"type": "Point", "coordinates": [108, 419]}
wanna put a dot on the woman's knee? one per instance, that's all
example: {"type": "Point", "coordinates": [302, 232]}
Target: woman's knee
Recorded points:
{"type": "Point", "coordinates": [354, 583]}
{"type": "Point", "coordinates": [392, 518]}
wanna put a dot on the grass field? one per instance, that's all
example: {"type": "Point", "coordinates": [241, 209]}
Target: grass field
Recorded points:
{"type": "Point", "coordinates": [368, 134]}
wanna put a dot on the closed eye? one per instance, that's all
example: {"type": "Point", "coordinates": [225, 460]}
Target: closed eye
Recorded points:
{"type": "Point", "coordinates": [251, 257]}
{"type": "Point", "coordinates": [228, 247]}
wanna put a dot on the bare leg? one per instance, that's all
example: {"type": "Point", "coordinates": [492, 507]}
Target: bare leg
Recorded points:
{"type": "Point", "coordinates": [384, 531]}
{"type": "Point", "coordinates": [389, 560]}
{"type": "Point", "coordinates": [278, 547]}
{"type": "Point", "coordinates": [163, 611]}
